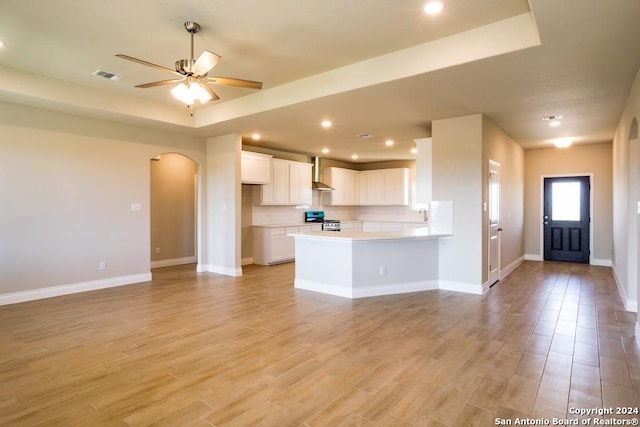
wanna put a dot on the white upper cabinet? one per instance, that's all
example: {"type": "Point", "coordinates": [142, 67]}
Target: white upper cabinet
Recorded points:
{"type": "Point", "coordinates": [396, 186]}
{"type": "Point", "coordinates": [381, 187]}
{"type": "Point", "coordinates": [299, 183]}
{"type": "Point", "coordinates": [255, 168]}
{"type": "Point", "coordinates": [344, 183]}
{"type": "Point", "coordinates": [290, 184]}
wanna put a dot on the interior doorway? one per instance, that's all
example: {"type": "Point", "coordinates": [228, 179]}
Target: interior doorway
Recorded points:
{"type": "Point", "coordinates": [494, 221]}
{"type": "Point", "coordinates": [567, 218]}
{"type": "Point", "coordinates": [173, 210]}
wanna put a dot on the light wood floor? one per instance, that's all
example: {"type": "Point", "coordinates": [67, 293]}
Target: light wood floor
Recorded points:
{"type": "Point", "coordinates": [200, 349]}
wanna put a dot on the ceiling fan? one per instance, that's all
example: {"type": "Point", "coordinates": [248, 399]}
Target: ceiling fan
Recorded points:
{"type": "Point", "coordinates": [192, 75]}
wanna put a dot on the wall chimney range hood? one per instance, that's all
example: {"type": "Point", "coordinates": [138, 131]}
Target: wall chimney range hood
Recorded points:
{"type": "Point", "coordinates": [316, 184]}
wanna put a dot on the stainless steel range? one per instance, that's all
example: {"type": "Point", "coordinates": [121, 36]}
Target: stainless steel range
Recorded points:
{"type": "Point", "coordinates": [331, 225]}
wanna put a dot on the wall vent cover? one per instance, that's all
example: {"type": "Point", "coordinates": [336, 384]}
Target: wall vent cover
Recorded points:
{"type": "Point", "coordinates": [108, 75]}
{"type": "Point", "coordinates": [364, 135]}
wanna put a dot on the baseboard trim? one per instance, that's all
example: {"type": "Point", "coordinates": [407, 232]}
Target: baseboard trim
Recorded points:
{"type": "Point", "coordinates": [174, 261]}
{"type": "Point", "coordinates": [629, 304]}
{"type": "Point", "coordinates": [246, 261]}
{"type": "Point", "coordinates": [533, 257]}
{"type": "Point", "coordinates": [55, 291]}
{"type": "Point", "coordinates": [366, 291]}
{"type": "Point", "coordinates": [601, 262]}
{"type": "Point", "coordinates": [509, 268]}
{"type": "Point", "coordinates": [468, 288]}
{"type": "Point", "coordinates": [226, 271]}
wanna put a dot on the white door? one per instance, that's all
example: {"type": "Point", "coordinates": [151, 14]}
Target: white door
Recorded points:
{"type": "Point", "coordinates": [494, 221]}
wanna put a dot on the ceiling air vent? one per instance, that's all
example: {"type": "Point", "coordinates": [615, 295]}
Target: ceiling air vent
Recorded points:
{"type": "Point", "coordinates": [364, 135]}
{"type": "Point", "coordinates": [108, 75]}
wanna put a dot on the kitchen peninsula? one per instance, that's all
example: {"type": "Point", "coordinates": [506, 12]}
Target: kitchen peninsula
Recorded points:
{"type": "Point", "coordinates": [364, 264]}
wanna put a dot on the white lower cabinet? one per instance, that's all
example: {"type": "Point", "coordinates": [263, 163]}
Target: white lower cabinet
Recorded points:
{"type": "Point", "coordinates": [271, 245]}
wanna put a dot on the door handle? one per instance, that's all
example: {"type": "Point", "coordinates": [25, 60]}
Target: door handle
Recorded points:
{"type": "Point", "coordinates": [499, 229]}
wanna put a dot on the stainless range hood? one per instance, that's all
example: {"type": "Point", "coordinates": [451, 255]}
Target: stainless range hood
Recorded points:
{"type": "Point", "coordinates": [316, 184]}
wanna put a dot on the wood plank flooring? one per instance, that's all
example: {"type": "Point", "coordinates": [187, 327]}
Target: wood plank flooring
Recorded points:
{"type": "Point", "coordinates": [200, 349]}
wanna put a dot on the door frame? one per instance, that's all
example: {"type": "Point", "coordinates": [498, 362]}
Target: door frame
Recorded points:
{"type": "Point", "coordinates": [541, 211]}
{"type": "Point", "coordinates": [494, 165]}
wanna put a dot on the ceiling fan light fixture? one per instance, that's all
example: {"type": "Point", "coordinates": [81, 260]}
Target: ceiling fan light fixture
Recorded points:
{"type": "Point", "coordinates": [190, 92]}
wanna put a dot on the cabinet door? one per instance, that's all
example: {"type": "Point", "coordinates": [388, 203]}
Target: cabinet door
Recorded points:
{"type": "Point", "coordinates": [336, 180]}
{"type": "Point", "coordinates": [349, 184]}
{"type": "Point", "coordinates": [290, 247]}
{"type": "Point", "coordinates": [279, 250]}
{"type": "Point", "coordinates": [396, 186]}
{"type": "Point", "coordinates": [375, 187]}
{"type": "Point", "coordinates": [277, 191]}
{"type": "Point", "coordinates": [299, 183]}
{"type": "Point", "coordinates": [255, 168]}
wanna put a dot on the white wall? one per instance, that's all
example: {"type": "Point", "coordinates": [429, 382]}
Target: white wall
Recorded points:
{"type": "Point", "coordinates": [66, 188]}
{"type": "Point", "coordinates": [224, 206]}
{"type": "Point", "coordinates": [457, 176]}
{"type": "Point", "coordinates": [625, 216]}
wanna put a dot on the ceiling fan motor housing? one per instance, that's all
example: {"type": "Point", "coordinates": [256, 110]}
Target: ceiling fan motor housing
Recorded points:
{"type": "Point", "coordinates": [184, 66]}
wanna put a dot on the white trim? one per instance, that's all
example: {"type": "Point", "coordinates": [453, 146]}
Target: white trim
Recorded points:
{"type": "Point", "coordinates": [73, 288]}
{"type": "Point", "coordinates": [366, 291]}
{"type": "Point", "coordinates": [227, 271]}
{"type": "Point", "coordinates": [469, 288]}
{"type": "Point", "coordinates": [533, 257]}
{"type": "Point", "coordinates": [638, 334]}
{"type": "Point", "coordinates": [601, 262]}
{"type": "Point", "coordinates": [629, 304]}
{"type": "Point", "coordinates": [174, 261]}
{"type": "Point", "coordinates": [509, 268]}
{"type": "Point", "coordinates": [246, 261]}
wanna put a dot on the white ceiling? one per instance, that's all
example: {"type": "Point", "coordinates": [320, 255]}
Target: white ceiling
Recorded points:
{"type": "Point", "coordinates": [377, 66]}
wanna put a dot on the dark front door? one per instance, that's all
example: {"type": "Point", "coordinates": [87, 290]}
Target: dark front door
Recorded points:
{"type": "Point", "coordinates": [566, 219]}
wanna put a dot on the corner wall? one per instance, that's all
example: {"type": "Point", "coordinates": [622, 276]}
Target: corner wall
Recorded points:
{"type": "Point", "coordinates": [67, 185]}
{"type": "Point", "coordinates": [625, 217]}
{"type": "Point", "coordinates": [498, 146]}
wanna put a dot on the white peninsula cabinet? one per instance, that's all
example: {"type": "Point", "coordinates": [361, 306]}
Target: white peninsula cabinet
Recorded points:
{"type": "Point", "coordinates": [380, 187]}
{"type": "Point", "coordinates": [290, 184]}
{"type": "Point", "coordinates": [255, 168]}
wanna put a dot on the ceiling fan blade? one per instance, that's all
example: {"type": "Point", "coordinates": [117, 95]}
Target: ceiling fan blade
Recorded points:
{"type": "Point", "coordinates": [160, 83]}
{"type": "Point", "coordinates": [205, 62]}
{"type": "Point", "coordinates": [148, 64]}
{"type": "Point", "coordinates": [227, 81]}
{"type": "Point", "coordinates": [214, 96]}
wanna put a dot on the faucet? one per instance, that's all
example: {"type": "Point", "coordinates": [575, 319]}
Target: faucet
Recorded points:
{"type": "Point", "coordinates": [423, 211]}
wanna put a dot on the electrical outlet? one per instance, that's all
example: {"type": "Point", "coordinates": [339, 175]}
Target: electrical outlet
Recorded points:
{"type": "Point", "coordinates": [157, 251]}
{"type": "Point", "coordinates": [102, 265]}
{"type": "Point", "coordinates": [383, 270]}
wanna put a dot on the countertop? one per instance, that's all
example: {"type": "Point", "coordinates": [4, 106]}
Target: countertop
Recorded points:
{"type": "Point", "coordinates": [299, 224]}
{"type": "Point", "coordinates": [422, 233]}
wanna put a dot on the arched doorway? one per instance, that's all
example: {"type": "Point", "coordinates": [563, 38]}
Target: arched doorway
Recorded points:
{"type": "Point", "coordinates": [173, 210]}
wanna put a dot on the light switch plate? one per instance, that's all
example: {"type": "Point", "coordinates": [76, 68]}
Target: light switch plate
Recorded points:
{"type": "Point", "coordinates": [136, 206]}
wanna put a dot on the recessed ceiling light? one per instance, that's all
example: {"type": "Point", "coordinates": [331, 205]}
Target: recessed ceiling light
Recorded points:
{"type": "Point", "coordinates": [326, 123]}
{"type": "Point", "coordinates": [414, 150]}
{"type": "Point", "coordinates": [555, 123]}
{"type": "Point", "coordinates": [562, 142]}
{"type": "Point", "coordinates": [433, 7]}
{"type": "Point", "coordinates": [325, 151]}
{"type": "Point", "coordinates": [1, 43]}
{"type": "Point", "coordinates": [354, 156]}
{"type": "Point", "coordinates": [389, 143]}
{"type": "Point", "coordinates": [256, 136]}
